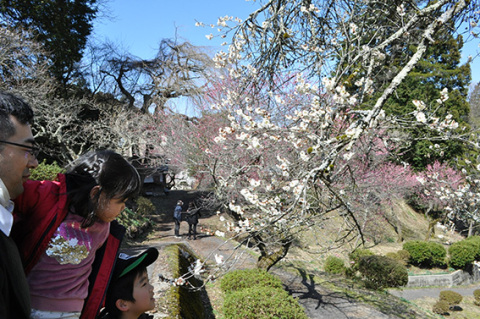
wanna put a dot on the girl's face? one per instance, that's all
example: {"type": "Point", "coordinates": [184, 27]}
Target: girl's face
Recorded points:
{"type": "Point", "coordinates": [108, 209]}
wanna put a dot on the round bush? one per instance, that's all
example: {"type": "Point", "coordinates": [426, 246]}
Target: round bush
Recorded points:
{"type": "Point", "coordinates": [441, 307]}
{"type": "Point", "coordinates": [476, 295]}
{"type": "Point", "coordinates": [461, 254]}
{"type": "Point", "coordinates": [425, 254]}
{"type": "Point", "coordinates": [334, 265]}
{"type": "Point", "coordinates": [451, 297]}
{"type": "Point", "coordinates": [402, 256]}
{"type": "Point", "coordinates": [356, 255]}
{"type": "Point", "coordinates": [475, 241]}
{"type": "Point", "coordinates": [261, 303]}
{"type": "Point", "coordinates": [382, 272]}
{"type": "Point", "coordinates": [247, 278]}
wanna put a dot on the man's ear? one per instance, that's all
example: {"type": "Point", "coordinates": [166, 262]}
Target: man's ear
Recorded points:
{"type": "Point", "coordinates": [122, 305]}
{"type": "Point", "coordinates": [94, 191]}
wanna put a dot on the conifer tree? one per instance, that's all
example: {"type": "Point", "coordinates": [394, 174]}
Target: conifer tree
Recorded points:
{"type": "Point", "coordinates": [61, 25]}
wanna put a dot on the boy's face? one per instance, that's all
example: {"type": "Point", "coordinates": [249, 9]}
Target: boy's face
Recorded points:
{"type": "Point", "coordinates": [143, 294]}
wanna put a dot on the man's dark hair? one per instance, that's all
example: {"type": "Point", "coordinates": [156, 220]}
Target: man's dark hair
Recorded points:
{"type": "Point", "coordinates": [15, 106]}
{"type": "Point", "coordinates": [121, 288]}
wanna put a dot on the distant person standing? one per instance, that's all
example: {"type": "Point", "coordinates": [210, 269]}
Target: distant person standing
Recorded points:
{"type": "Point", "coordinates": [177, 218]}
{"type": "Point", "coordinates": [193, 213]}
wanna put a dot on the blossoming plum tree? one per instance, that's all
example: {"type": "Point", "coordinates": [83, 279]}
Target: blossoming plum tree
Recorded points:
{"type": "Point", "coordinates": [278, 175]}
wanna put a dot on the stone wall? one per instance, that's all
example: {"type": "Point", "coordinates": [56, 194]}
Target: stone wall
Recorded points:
{"type": "Point", "coordinates": [456, 278]}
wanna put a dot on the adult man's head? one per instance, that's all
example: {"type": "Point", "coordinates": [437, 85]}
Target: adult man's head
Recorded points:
{"type": "Point", "coordinates": [17, 151]}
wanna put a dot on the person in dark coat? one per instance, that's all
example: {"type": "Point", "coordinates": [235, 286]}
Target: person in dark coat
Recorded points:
{"type": "Point", "coordinates": [193, 213]}
{"type": "Point", "coordinates": [177, 218]}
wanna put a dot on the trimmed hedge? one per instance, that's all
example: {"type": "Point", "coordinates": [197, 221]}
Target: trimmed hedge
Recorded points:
{"type": "Point", "coordinates": [255, 293]}
{"type": "Point", "coordinates": [355, 256]}
{"type": "Point", "coordinates": [247, 278]}
{"type": "Point", "coordinates": [475, 241]}
{"type": "Point", "coordinates": [462, 254]}
{"type": "Point", "coordinates": [262, 303]}
{"type": "Point", "coordinates": [402, 256]}
{"type": "Point", "coordinates": [441, 307]}
{"type": "Point", "coordinates": [451, 297]}
{"type": "Point", "coordinates": [382, 272]}
{"type": "Point", "coordinates": [425, 254]}
{"type": "Point", "coordinates": [334, 265]}
{"type": "Point", "coordinates": [476, 296]}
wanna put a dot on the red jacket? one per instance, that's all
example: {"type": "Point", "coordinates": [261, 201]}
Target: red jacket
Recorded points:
{"type": "Point", "coordinates": [32, 233]}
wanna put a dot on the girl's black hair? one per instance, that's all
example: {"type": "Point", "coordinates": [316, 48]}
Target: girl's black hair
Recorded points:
{"type": "Point", "coordinates": [116, 177]}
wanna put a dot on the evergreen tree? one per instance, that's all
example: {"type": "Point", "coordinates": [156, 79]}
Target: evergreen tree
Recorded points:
{"type": "Point", "coordinates": [474, 100]}
{"type": "Point", "coordinates": [61, 25]}
{"type": "Point", "coordinates": [439, 69]}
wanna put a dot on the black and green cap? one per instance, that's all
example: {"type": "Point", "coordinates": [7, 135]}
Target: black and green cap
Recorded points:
{"type": "Point", "coordinates": [126, 263]}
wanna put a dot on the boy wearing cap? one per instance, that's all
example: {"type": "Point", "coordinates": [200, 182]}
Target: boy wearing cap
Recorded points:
{"type": "Point", "coordinates": [130, 293]}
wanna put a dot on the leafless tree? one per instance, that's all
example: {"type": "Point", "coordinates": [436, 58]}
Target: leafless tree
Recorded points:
{"type": "Point", "coordinates": [178, 70]}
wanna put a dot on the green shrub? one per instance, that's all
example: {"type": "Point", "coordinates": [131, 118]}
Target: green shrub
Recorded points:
{"type": "Point", "coordinates": [425, 254]}
{"type": "Point", "coordinates": [402, 256]}
{"type": "Point", "coordinates": [476, 295]}
{"type": "Point", "coordinates": [261, 302]}
{"type": "Point", "coordinates": [462, 254]}
{"type": "Point", "coordinates": [451, 297]}
{"type": "Point", "coordinates": [334, 265]}
{"type": "Point", "coordinates": [382, 272]}
{"type": "Point", "coordinates": [246, 278]}
{"type": "Point", "coordinates": [355, 256]}
{"type": "Point", "coordinates": [144, 206]}
{"type": "Point", "coordinates": [46, 171]}
{"type": "Point", "coordinates": [391, 255]}
{"type": "Point", "coordinates": [475, 240]}
{"type": "Point", "coordinates": [441, 307]}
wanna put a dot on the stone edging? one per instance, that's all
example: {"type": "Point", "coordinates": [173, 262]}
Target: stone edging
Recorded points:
{"type": "Point", "coordinates": [458, 277]}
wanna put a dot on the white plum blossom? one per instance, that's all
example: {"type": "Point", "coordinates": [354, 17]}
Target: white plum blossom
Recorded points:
{"type": "Point", "coordinates": [421, 180]}
{"type": "Point", "coordinates": [219, 233]}
{"type": "Point", "coordinates": [219, 259]}
{"type": "Point", "coordinates": [420, 105]}
{"type": "Point", "coordinates": [420, 116]}
{"type": "Point", "coordinates": [254, 182]}
{"type": "Point", "coordinates": [348, 156]}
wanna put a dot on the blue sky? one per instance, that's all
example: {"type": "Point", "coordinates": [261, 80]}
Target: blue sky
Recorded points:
{"type": "Point", "coordinates": [139, 25]}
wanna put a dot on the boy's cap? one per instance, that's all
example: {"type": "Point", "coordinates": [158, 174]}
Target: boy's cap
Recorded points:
{"type": "Point", "coordinates": [126, 263]}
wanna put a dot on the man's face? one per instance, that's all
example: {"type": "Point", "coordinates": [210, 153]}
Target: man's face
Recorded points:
{"type": "Point", "coordinates": [16, 161]}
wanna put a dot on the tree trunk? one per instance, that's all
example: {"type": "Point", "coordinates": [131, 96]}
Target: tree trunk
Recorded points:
{"type": "Point", "coordinates": [268, 260]}
{"type": "Point", "coordinates": [470, 228]}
